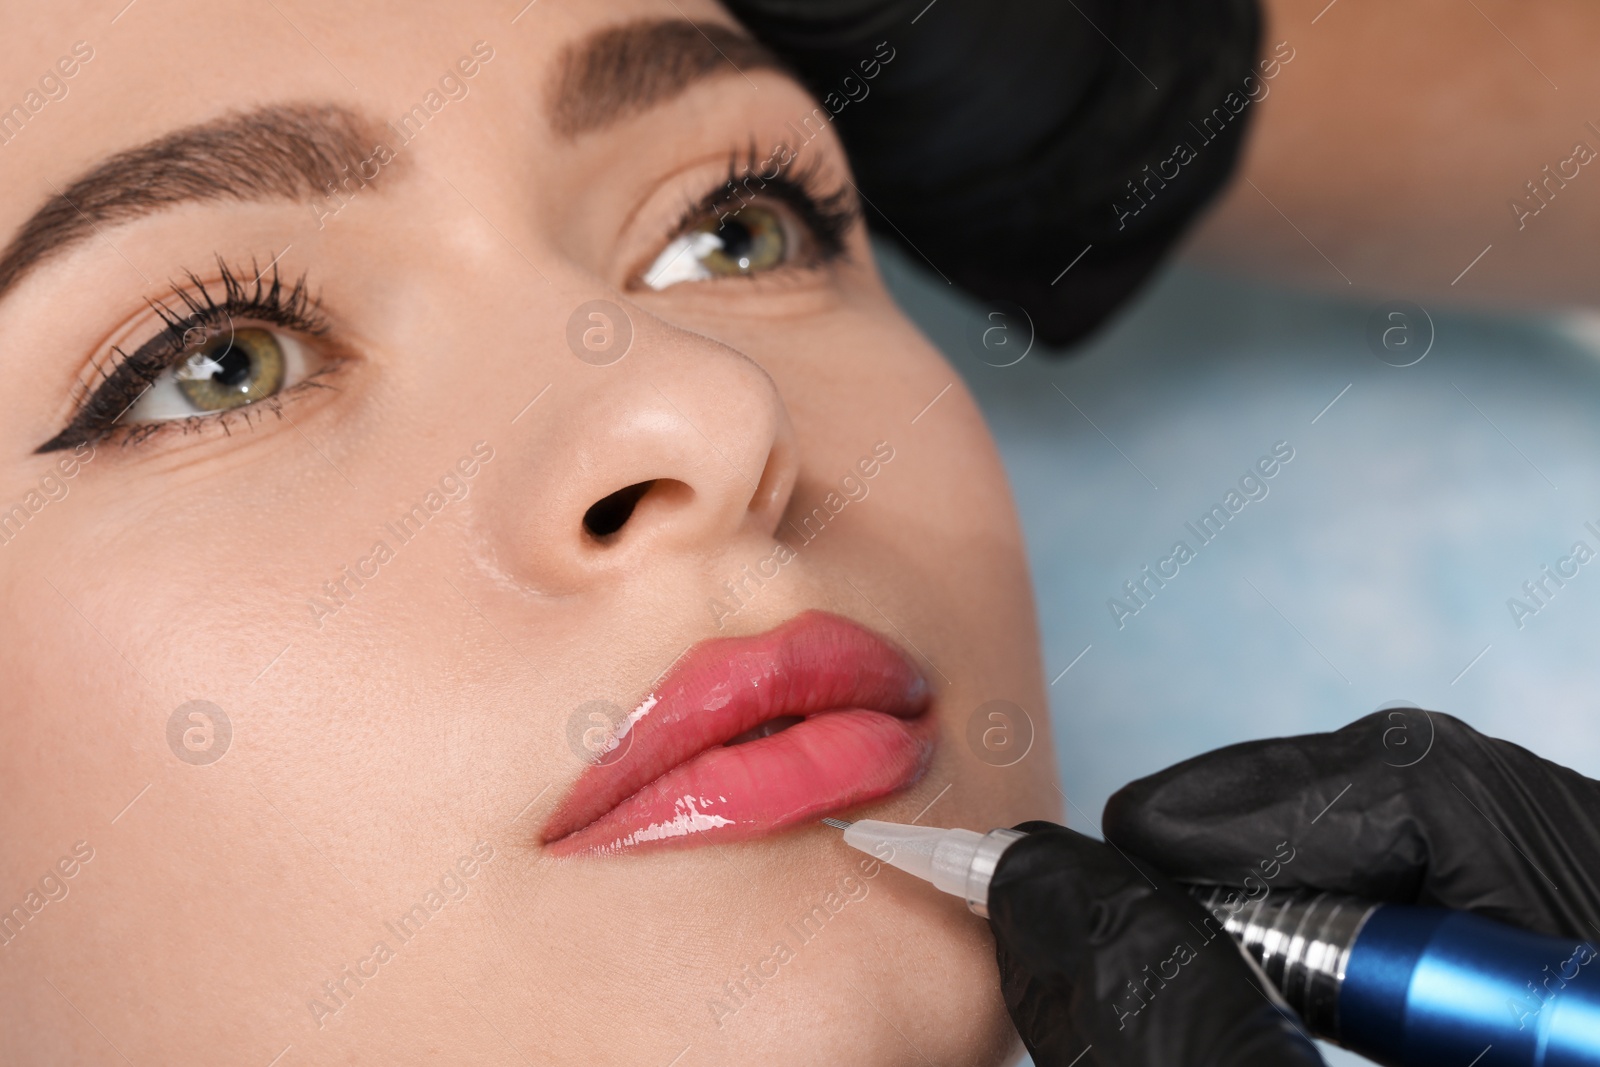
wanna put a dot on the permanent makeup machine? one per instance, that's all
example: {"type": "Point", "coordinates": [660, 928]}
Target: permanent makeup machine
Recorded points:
{"type": "Point", "coordinates": [1405, 986]}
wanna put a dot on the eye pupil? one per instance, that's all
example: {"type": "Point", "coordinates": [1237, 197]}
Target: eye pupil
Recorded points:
{"type": "Point", "coordinates": [736, 240]}
{"type": "Point", "coordinates": [233, 367]}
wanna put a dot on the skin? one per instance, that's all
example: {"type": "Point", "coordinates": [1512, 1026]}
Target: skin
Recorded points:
{"type": "Point", "coordinates": [1388, 153]}
{"type": "Point", "coordinates": [372, 751]}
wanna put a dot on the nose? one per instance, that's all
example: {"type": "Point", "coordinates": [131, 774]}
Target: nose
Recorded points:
{"type": "Point", "coordinates": [681, 449]}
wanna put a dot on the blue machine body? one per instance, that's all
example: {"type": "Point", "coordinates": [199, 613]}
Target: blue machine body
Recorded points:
{"type": "Point", "coordinates": [1431, 986]}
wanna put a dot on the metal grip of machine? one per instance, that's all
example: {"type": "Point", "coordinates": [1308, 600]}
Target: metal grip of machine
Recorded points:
{"type": "Point", "coordinates": [1301, 942]}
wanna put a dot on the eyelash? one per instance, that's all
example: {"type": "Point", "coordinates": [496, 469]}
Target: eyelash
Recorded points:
{"type": "Point", "coordinates": [124, 377]}
{"type": "Point", "coordinates": [825, 215]}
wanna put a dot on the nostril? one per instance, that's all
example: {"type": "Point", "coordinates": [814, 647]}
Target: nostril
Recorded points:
{"type": "Point", "coordinates": [608, 515]}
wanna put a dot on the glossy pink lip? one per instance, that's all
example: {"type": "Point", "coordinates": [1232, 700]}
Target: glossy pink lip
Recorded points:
{"type": "Point", "coordinates": [675, 781]}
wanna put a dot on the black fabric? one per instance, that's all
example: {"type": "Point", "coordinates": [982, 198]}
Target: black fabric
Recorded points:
{"type": "Point", "coordinates": [1404, 806]}
{"type": "Point", "coordinates": [999, 141]}
{"type": "Point", "coordinates": [1104, 963]}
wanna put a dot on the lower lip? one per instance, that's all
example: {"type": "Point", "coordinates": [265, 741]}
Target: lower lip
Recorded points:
{"type": "Point", "coordinates": [828, 762]}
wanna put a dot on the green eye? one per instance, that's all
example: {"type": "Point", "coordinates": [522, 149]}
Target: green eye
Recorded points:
{"type": "Point", "coordinates": [752, 240]}
{"type": "Point", "coordinates": [748, 241]}
{"type": "Point", "coordinates": [229, 369]}
{"type": "Point", "coordinates": [233, 370]}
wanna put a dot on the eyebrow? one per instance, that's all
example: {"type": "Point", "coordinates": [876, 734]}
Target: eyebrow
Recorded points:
{"type": "Point", "coordinates": [621, 71]}
{"type": "Point", "coordinates": [280, 152]}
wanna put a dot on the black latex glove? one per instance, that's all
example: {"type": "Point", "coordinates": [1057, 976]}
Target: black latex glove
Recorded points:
{"type": "Point", "coordinates": [1000, 138]}
{"type": "Point", "coordinates": [1105, 963]}
{"type": "Point", "coordinates": [1402, 806]}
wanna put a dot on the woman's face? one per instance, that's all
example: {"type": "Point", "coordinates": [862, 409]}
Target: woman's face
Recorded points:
{"type": "Point", "coordinates": [417, 462]}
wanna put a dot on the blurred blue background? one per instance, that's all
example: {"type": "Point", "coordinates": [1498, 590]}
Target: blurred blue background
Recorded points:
{"type": "Point", "coordinates": [1377, 569]}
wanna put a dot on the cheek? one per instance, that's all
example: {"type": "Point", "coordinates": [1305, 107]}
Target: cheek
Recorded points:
{"type": "Point", "coordinates": [159, 605]}
{"type": "Point", "coordinates": [943, 496]}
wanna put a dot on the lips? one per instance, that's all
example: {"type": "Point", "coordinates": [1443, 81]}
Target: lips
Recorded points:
{"type": "Point", "coordinates": [747, 735]}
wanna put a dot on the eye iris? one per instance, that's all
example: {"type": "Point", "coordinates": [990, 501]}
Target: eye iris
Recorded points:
{"type": "Point", "coordinates": [232, 370]}
{"type": "Point", "coordinates": [752, 240]}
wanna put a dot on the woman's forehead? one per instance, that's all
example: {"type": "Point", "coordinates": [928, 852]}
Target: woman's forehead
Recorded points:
{"type": "Point", "coordinates": [164, 63]}
{"type": "Point", "coordinates": [298, 34]}
{"type": "Point", "coordinates": [79, 80]}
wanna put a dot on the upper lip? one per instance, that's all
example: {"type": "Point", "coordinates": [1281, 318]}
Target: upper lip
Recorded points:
{"type": "Point", "coordinates": [814, 663]}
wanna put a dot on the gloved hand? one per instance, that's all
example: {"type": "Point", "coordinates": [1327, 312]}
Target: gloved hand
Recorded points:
{"type": "Point", "coordinates": [1105, 963]}
{"type": "Point", "coordinates": [1402, 806]}
{"type": "Point", "coordinates": [998, 139]}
